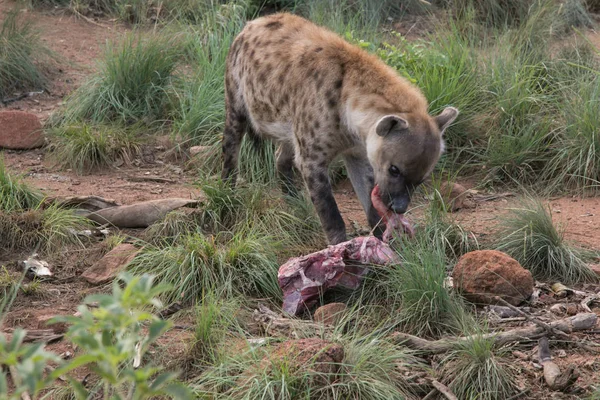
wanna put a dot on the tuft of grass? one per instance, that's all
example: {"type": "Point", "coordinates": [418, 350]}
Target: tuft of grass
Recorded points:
{"type": "Point", "coordinates": [132, 85]}
{"type": "Point", "coordinates": [16, 195]}
{"type": "Point", "coordinates": [23, 57]}
{"type": "Point", "coordinates": [242, 263]}
{"type": "Point", "coordinates": [476, 370]}
{"type": "Point", "coordinates": [173, 226]}
{"type": "Point", "coordinates": [426, 307]}
{"type": "Point", "coordinates": [529, 235]}
{"type": "Point", "coordinates": [576, 162]}
{"type": "Point", "coordinates": [371, 369]}
{"type": "Point", "coordinates": [50, 229]}
{"type": "Point", "coordinates": [85, 147]}
{"type": "Point", "coordinates": [213, 319]}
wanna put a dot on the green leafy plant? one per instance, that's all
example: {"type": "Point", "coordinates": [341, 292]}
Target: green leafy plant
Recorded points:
{"type": "Point", "coordinates": [113, 339]}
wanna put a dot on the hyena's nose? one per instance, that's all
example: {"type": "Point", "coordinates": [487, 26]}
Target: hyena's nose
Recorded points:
{"type": "Point", "coordinates": [399, 205]}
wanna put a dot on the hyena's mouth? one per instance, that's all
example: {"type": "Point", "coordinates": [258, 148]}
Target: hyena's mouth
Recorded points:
{"type": "Point", "coordinates": [394, 223]}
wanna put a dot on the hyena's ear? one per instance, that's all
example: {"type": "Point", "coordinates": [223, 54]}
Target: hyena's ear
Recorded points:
{"type": "Point", "coordinates": [446, 117]}
{"type": "Point", "coordinates": [390, 123]}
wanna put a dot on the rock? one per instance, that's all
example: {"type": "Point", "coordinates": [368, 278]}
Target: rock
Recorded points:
{"type": "Point", "coordinates": [480, 275]}
{"type": "Point", "coordinates": [304, 279]}
{"type": "Point", "coordinates": [108, 267]}
{"type": "Point", "coordinates": [330, 314]}
{"type": "Point", "coordinates": [20, 130]}
{"type": "Point", "coordinates": [312, 354]}
{"type": "Point", "coordinates": [453, 195]}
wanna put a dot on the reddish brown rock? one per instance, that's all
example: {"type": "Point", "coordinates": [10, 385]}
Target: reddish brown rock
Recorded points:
{"type": "Point", "coordinates": [453, 195]}
{"type": "Point", "coordinates": [330, 314]}
{"type": "Point", "coordinates": [20, 130]}
{"type": "Point", "coordinates": [108, 267]}
{"type": "Point", "coordinates": [312, 354]}
{"type": "Point", "coordinates": [481, 275]}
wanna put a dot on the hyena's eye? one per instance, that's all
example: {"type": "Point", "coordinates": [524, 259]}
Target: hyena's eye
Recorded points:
{"type": "Point", "coordinates": [394, 171]}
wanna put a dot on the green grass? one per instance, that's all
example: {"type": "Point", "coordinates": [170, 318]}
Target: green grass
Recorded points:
{"type": "Point", "coordinates": [49, 229]}
{"type": "Point", "coordinates": [23, 57]}
{"type": "Point", "coordinates": [371, 369]}
{"type": "Point", "coordinates": [576, 163]}
{"type": "Point", "coordinates": [132, 85]}
{"type": "Point", "coordinates": [476, 370]}
{"type": "Point", "coordinates": [85, 148]}
{"type": "Point", "coordinates": [16, 195]}
{"type": "Point", "coordinates": [173, 226]}
{"type": "Point", "coordinates": [243, 263]}
{"type": "Point", "coordinates": [529, 235]}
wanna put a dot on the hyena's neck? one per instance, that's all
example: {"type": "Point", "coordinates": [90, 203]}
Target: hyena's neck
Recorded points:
{"type": "Point", "coordinates": [360, 119]}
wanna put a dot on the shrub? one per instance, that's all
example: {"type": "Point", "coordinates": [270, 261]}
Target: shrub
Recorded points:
{"type": "Point", "coordinates": [22, 55]}
{"type": "Point", "coordinates": [528, 235]}
{"type": "Point", "coordinates": [132, 85]}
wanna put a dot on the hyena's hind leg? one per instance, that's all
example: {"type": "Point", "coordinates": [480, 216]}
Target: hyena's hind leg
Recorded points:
{"type": "Point", "coordinates": [236, 124]}
{"type": "Point", "coordinates": [286, 169]}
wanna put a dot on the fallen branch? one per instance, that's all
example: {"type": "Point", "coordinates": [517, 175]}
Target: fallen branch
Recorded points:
{"type": "Point", "coordinates": [149, 179]}
{"type": "Point", "coordinates": [544, 325]}
{"type": "Point", "coordinates": [278, 326]}
{"type": "Point", "coordinates": [443, 389]}
{"type": "Point", "coordinates": [579, 322]}
{"type": "Point", "coordinates": [585, 303]}
{"type": "Point", "coordinates": [552, 374]}
{"type": "Point", "coordinates": [20, 97]}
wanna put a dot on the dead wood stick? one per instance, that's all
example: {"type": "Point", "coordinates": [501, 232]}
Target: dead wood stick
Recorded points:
{"type": "Point", "coordinates": [531, 318]}
{"type": "Point", "coordinates": [585, 303]}
{"type": "Point", "coordinates": [431, 394]}
{"type": "Point", "coordinates": [443, 389]}
{"type": "Point", "coordinates": [542, 324]}
{"type": "Point", "coordinates": [575, 323]}
{"type": "Point", "coordinates": [149, 179]}
{"type": "Point", "coordinates": [17, 381]}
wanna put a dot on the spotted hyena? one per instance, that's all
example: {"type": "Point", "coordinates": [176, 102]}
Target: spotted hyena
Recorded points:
{"type": "Point", "coordinates": [320, 97]}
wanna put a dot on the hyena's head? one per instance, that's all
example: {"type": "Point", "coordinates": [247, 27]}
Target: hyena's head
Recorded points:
{"type": "Point", "coordinates": [403, 150]}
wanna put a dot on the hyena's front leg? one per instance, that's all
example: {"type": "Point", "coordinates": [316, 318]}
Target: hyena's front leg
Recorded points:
{"type": "Point", "coordinates": [321, 194]}
{"type": "Point", "coordinates": [360, 173]}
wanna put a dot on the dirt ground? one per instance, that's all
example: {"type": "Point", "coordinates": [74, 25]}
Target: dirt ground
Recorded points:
{"type": "Point", "coordinates": [79, 43]}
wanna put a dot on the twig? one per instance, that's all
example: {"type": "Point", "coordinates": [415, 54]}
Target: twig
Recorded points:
{"type": "Point", "coordinates": [17, 381]}
{"type": "Point", "coordinates": [521, 393]}
{"type": "Point", "coordinates": [430, 395]}
{"type": "Point", "coordinates": [579, 322]}
{"type": "Point", "coordinates": [91, 21]}
{"type": "Point", "coordinates": [443, 389]}
{"type": "Point", "coordinates": [548, 328]}
{"type": "Point", "coordinates": [20, 97]}
{"type": "Point", "coordinates": [149, 179]}
{"type": "Point", "coordinates": [585, 303]}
